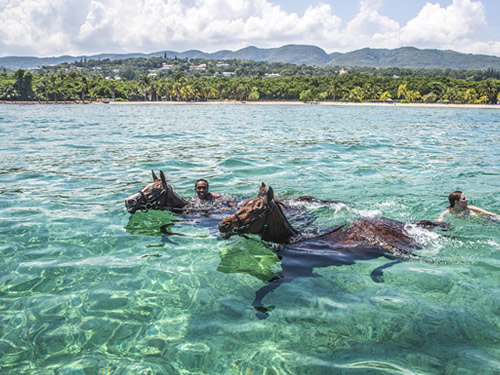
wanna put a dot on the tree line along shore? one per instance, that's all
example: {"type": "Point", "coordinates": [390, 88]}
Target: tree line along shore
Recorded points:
{"type": "Point", "coordinates": [72, 86]}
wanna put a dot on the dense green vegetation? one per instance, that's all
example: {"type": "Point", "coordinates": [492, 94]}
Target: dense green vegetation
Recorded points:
{"type": "Point", "coordinates": [404, 57]}
{"type": "Point", "coordinates": [161, 78]}
{"type": "Point", "coordinates": [133, 68]}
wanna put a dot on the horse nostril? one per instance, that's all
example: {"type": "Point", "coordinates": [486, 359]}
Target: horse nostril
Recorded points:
{"type": "Point", "coordinates": [223, 225]}
{"type": "Point", "coordinates": [131, 204]}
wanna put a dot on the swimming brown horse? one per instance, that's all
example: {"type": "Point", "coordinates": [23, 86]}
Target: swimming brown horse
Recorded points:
{"type": "Point", "coordinates": [158, 195]}
{"type": "Point", "coordinates": [365, 238]}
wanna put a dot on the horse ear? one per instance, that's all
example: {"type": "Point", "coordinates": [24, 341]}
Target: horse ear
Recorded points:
{"type": "Point", "coordinates": [270, 194]}
{"type": "Point", "coordinates": [162, 176]}
{"type": "Point", "coordinates": [262, 190]}
{"type": "Point", "coordinates": [154, 175]}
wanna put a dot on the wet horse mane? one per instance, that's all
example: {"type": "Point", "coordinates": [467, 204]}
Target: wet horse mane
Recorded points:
{"type": "Point", "coordinates": [267, 195]}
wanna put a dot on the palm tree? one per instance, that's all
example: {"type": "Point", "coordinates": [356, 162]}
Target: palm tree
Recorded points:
{"type": "Point", "coordinates": [386, 96]}
{"type": "Point", "coordinates": [41, 85]}
{"type": "Point", "coordinates": [144, 83]}
{"type": "Point", "coordinates": [177, 88]}
{"type": "Point", "coordinates": [254, 94]}
{"type": "Point", "coordinates": [220, 86]}
{"type": "Point", "coordinates": [470, 96]}
{"type": "Point", "coordinates": [450, 95]}
{"type": "Point", "coordinates": [488, 88]}
{"type": "Point", "coordinates": [53, 80]}
{"type": "Point", "coordinates": [411, 95]}
{"type": "Point", "coordinates": [164, 89]}
{"type": "Point", "coordinates": [403, 91]}
{"type": "Point", "coordinates": [153, 89]}
{"type": "Point", "coordinates": [83, 86]}
{"type": "Point", "coordinates": [8, 92]}
{"type": "Point", "coordinates": [334, 89]}
{"type": "Point", "coordinates": [357, 94]}
{"type": "Point", "coordinates": [187, 92]}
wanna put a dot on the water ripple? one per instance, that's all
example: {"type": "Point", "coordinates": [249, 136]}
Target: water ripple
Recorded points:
{"type": "Point", "coordinates": [87, 288]}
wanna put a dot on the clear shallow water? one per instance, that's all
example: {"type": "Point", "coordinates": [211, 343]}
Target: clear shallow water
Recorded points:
{"type": "Point", "coordinates": [86, 288]}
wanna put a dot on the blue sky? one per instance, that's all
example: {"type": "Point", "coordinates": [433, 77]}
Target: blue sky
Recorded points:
{"type": "Point", "coordinates": [76, 27]}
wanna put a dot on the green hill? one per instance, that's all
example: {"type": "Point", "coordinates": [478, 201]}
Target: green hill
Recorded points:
{"type": "Point", "coordinates": [406, 57]}
{"type": "Point", "coordinates": [413, 58]}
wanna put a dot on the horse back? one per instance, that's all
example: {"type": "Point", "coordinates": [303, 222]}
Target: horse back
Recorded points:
{"type": "Point", "coordinates": [366, 234]}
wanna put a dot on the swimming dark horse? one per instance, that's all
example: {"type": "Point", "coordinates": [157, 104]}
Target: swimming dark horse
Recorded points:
{"type": "Point", "coordinates": [365, 238]}
{"type": "Point", "coordinates": [158, 195]}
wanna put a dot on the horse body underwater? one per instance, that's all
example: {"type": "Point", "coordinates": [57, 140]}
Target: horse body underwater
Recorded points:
{"type": "Point", "coordinates": [365, 238]}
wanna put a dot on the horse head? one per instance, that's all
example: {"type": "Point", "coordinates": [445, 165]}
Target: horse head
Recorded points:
{"type": "Point", "coordinates": [261, 215]}
{"type": "Point", "coordinates": [158, 195]}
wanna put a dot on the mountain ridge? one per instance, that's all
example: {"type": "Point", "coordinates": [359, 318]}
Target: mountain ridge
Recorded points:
{"type": "Point", "coordinates": [404, 57]}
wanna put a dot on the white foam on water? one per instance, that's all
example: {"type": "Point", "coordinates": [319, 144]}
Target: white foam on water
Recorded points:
{"type": "Point", "coordinates": [368, 213]}
{"type": "Point", "coordinates": [431, 242]}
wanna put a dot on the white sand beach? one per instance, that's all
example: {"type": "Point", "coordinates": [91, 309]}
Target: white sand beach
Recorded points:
{"type": "Point", "coordinates": [300, 103]}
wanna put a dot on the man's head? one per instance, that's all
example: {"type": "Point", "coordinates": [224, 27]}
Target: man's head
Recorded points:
{"type": "Point", "coordinates": [201, 188]}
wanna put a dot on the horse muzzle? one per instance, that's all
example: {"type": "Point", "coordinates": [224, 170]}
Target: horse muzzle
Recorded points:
{"type": "Point", "coordinates": [225, 229]}
{"type": "Point", "coordinates": [131, 204]}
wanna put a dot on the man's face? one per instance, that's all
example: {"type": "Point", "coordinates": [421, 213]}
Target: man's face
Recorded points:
{"type": "Point", "coordinates": [201, 189]}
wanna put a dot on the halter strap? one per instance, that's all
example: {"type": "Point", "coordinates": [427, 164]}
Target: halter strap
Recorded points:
{"type": "Point", "coordinates": [243, 227]}
{"type": "Point", "coordinates": [155, 202]}
{"type": "Point", "coordinates": [238, 218]}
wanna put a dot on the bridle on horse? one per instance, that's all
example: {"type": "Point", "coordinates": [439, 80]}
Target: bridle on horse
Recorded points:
{"type": "Point", "coordinates": [155, 201]}
{"type": "Point", "coordinates": [243, 227]}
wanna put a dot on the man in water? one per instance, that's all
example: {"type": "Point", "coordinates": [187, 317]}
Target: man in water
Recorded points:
{"type": "Point", "coordinates": [201, 189]}
{"type": "Point", "coordinates": [459, 205]}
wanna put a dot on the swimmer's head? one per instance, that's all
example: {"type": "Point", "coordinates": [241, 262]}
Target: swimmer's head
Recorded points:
{"type": "Point", "coordinates": [201, 188]}
{"type": "Point", "coordinates": [457, 199]}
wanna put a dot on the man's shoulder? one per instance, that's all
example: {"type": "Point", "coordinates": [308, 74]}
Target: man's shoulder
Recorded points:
{"type": "Point", "coordinates": [216, 195]}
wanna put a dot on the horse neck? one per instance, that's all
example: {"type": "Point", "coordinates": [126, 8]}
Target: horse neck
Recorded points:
{"type": "Point", "coordinates": [278, 228]}
{"type": "Point", "coordinates": [174, 200]}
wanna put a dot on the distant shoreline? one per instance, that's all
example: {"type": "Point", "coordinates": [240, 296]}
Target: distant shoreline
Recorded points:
{"type": "Point", "coordinates": [277, 102]}
{"type": "Point", "coordinates": [325, 103]}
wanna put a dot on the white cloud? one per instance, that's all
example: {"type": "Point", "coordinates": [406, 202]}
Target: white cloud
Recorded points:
{"type": "Point", "coordinates": [371, 29]}
{"type": "Point", "coordinates": [435, 26]}
{"type": "Point", "coordinates": [54, 27]}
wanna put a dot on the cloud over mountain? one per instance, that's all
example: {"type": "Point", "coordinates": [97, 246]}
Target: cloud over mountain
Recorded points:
{"type": "Point", "coordinates": [55, 27]}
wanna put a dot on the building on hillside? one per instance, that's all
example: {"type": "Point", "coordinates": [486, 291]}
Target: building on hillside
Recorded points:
{"type": "Point", "coordinates": [166, 67]}
{"type": "Point", "coordinates": [198, 67]}
{"type": "Point", "coordinates": [223, 74]}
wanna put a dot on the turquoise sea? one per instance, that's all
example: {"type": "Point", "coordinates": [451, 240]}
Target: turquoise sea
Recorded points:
{"type": "Point", "coordinates": [86, 288]}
